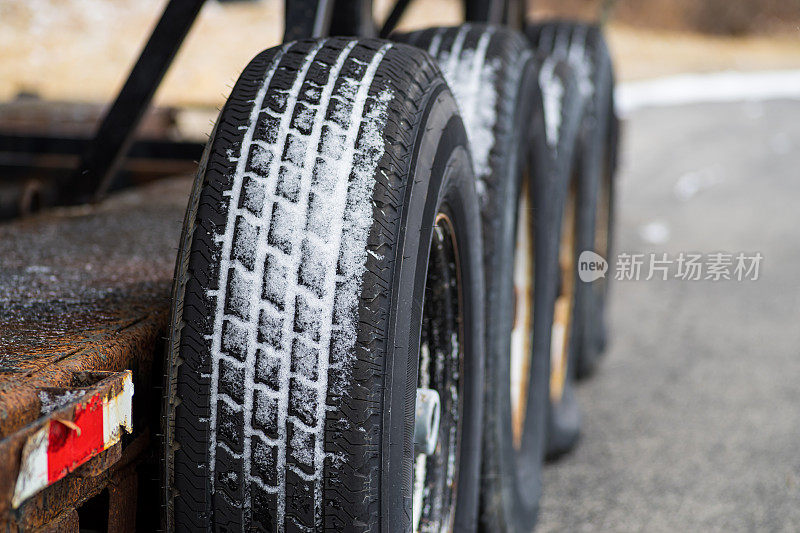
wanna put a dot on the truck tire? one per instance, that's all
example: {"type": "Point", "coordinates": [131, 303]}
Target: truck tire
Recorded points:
{"type": "Point", "coordinates": [558, 216]}
{"type": "Point", "coordinates": [584, 48]}
{"type": "Point", "coordinates": [494, 78]}
{"type": "Point", "coordinates": [332, 228]}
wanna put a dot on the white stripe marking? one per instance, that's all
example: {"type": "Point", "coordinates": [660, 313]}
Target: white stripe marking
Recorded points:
{"type": "Point", "coordinates": [33, 473]}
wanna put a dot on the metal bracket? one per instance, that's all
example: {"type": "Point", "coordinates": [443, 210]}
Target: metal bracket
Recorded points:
{"type": "Point", "coordinates": [114, 136]}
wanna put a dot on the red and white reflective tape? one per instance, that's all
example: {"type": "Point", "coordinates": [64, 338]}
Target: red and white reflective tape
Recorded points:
{"type": "Point", "coordinates": [56, 449]}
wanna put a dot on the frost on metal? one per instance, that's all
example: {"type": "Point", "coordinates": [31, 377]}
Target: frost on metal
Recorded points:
{"type": "Point", "coordinates": [293, 253]}
{"type": "Point", "coordinates": [471, 76]}
{"type": "Point", "coordinates": [53, 401]}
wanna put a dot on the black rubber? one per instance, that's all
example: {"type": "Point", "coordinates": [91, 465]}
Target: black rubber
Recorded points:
{"type": "Point", "coordinates": [519, 146]}
{"type": "Point", "coordinates": [564, 113]}
{"type": "Point", "coordinates": [501, 62]}
{"type": "Point", "coordinates": [584, 48]}
{"type": "Point", "coordinates": [281, 145]}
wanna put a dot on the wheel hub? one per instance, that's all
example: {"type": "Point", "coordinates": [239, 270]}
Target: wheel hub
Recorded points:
{"type": "Point", "coordinates": [426, 421]}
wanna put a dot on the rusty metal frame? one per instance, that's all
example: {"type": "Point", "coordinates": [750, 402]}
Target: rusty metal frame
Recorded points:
{"type": "Point", "coordinates": [54, 506]}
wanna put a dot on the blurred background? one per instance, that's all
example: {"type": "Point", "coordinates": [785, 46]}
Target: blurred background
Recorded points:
{"type": "Point", "coordinates": [693, 421]}
{"type": "Point", "coordinates": [82, 49]}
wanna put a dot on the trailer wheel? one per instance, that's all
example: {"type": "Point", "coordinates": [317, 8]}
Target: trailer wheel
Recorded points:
{"type": "Point", "coordinates": [494, 77]}
{"type": "Point", "coordinates": [332, 237]}
{"type": "Point", "coordinates": [556, 218]}
{"type": "Point", "coordinates": [584, 48]}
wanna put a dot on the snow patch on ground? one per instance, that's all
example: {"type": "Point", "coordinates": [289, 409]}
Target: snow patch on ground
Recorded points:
{"type": "Point", "coordinates": [691, 183]}
{"type": "Point", "coordinates": [656, 232]}
{"type": "Point", "coordinates": [730, 86]}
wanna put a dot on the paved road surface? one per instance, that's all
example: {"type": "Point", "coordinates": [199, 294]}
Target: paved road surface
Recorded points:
{"type": "Point", "coordinates": [693, 422]}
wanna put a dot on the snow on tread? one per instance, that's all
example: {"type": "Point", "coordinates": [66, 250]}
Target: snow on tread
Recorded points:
{"type": "Point", "coordinates": [292, 254]}
{"type": "Point", "coordinates": [471, 76]}
{"type": "Point", "coordinates": [471, 60]}
{"type": "Point", "coordinates": [571, 42]}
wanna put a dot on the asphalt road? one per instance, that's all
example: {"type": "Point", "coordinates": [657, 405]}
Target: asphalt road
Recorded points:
{"type": "Point", "coordinates": [693, 421]}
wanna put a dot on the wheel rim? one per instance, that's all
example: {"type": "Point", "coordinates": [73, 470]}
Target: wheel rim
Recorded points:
{"type": "Point", "coordinates": [522, 329]}
{"type": "Point", "coordinates": [564, 304]}
{"type": "Point", "coordinates": [440, 368]}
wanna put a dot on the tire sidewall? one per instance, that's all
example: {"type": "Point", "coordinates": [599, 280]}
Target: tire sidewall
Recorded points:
{"type": "Point", "coordinates": [550, 196]}
{"type": "Point", "coordinates": [516, 473]}
{"type": "Point", "coordinates": [441, 176]}
{"type": "Point", "coordinates": [593, 151]}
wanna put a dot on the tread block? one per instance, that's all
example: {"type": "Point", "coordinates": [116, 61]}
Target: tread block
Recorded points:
{"type": "Point", "coordinates": [234, 340]}
{"type": "Point", "coordinates": [305, 360]}
{"type": "Point", "coordinates": [238, 294]}
{"type": "Point", "coordinates": [228, 475]}
{"type": "Point", "coordinates": [230, 424]}
{"type": "Point", "coordinates": [295, 149]}
{"type": "Point", "coordinates": [231, 381]}
{"type": "Point", "coordinates": [273, 288]}
{"type": "Point", "coordinates": [300, 451]}
{"type": "Point", "coordinates": [320, 217]}
{"type": "Point", "coordinates": [313, 268]}
{"type": "Point", "coordinates": [282, 228]}
{"type": "Point", "coordinates": [339, 111]}
{"type": "Point", "coordinates": [264, 461]}
{"type": "Point", "coordinates": [303, 402]}
{"type": "Point", "coordinates": [331, 144]}
{"type": "Point", "coordinates": [264, 505]}
{"type": "Point", "coordinates": [267, 127]}
{"type": "Point", "coordinates": [265, 413]}
{"type": "Point", "coordinates": [288, 184]}
{"type": "Point", "coordinates": [276, 101]}
{"type": "Point", "coordinates": [270, 329]}
{"type": "Point", "coordinates": [307, 318]}
{"type": "Point", "coordinates": [323, 177]}
{"type": "Point", "coordinates": [253, 196]}
{"type": "Point", "coordinates": [303, 117]}
{"type": "Point", "coordinates": [245, 239]}
{"type": "Point", "coordinates": [268, 368]}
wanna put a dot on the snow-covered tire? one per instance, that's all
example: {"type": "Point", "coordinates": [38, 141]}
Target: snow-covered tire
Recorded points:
{"type": "Point", "coordinates": [494, 77]}
{"type": "Point", "coordinates": [584, 48]}
{"type": "Point", "coordinates": [303, 270]}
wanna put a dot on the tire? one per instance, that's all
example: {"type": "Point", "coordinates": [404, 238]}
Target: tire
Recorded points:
{"type": "Point", "coordinates": [334, 168]}
{"type": "Point", "coordinates": [557, 220]}
{"type": "Point", "coordinates": [584, 48]}
{"type": "Point", "coordinates": [494, 77]}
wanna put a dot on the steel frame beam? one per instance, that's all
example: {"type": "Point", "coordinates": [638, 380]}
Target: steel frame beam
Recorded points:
{"type": "Point", "coordinates": [304, 19]}
{"type": "Point", "coordinates": [115, 134]}
{"type": "Point", "coordinates": [102, 157]}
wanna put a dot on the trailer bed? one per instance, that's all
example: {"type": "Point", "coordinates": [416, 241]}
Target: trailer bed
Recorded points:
{"type": "Point", "coordinates": [83, 290]}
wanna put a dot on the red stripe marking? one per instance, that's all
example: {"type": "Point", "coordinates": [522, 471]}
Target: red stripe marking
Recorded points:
{"type": "Point", "coordinates": [66, 450]}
